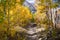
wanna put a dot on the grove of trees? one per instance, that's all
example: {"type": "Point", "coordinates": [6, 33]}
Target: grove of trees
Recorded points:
{"type": "Point", "coordinates": [14, 17]}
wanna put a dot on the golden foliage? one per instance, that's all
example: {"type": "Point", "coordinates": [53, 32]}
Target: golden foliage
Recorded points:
{"type": "Point", "coordinates": [41, 7]}
{"type": "Point", "coordinates": [20, 15]}
{"type": "Point", "coordinates": [40, 15]}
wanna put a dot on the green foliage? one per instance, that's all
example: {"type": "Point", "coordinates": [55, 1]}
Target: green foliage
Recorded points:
{"type": "Point", "coordinates": [3, 2]}
{"type": "Point", "coordinates": [54, 33]}
{"type": "Point", "coordinates": [1, 17]}
{"type": "Point", "coordinates": [1, 14]}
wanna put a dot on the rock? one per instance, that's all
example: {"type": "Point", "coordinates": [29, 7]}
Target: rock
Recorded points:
{"type": "Point", "coordinates": [40, 39]}
{"type": "Point", "coordinates": [40, 29]}
{"type": "Point", "coordinates": [34, 33]}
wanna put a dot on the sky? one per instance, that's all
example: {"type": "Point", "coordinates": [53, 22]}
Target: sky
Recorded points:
{"type": "Point", "coordinates": [31, 1]}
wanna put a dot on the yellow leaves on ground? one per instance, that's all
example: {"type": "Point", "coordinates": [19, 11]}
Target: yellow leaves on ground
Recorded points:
{"type": "Point", "coordinates": [2, 28]}
{"type": "Point", "coordinates": [15, 29]}
{"type": "Point", "coordinates": [12, 31]}
{"type": "Point", "coordinates": [19, 29]}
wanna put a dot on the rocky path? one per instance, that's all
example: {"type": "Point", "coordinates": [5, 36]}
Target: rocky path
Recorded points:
{"type": "Point", "coordinates": [33, 32]}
